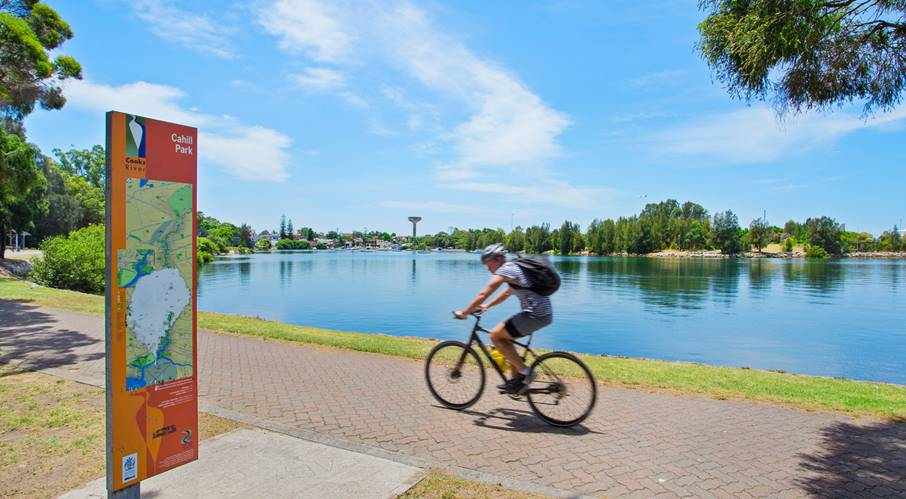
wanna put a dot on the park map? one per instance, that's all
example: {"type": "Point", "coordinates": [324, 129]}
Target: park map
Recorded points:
{"type": "Point", "coordinates": [156, 269]}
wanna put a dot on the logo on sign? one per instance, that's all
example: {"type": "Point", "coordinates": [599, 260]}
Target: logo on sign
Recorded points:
{"type": "Point", "coordinates": [135, 136]}
{"type": "Point", "coordinates": [130, 467]}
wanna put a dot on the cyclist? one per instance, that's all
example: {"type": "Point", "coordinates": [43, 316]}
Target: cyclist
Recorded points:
{"type": "Point", "coordinates": [536, 313]}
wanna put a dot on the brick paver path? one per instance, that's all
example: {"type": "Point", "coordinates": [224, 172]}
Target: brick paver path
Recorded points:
{"type": "Point", "coordinates": [637, 443]}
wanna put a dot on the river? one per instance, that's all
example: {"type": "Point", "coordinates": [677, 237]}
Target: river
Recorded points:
{"type": "Point", "coordinates": [843, 318]}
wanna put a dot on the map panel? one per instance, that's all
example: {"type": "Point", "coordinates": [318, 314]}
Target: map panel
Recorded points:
{"type": "Point", "coordinates": [156, 271]}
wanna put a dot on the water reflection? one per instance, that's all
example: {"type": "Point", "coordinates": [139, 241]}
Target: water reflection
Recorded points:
{"type": "Point", "coordinates": [666, 286]}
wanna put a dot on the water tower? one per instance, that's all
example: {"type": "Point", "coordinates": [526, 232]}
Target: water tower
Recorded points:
{"type": "Point", "coordinates": [414, 221]}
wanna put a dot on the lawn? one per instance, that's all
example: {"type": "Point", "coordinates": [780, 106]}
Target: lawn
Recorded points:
{"type": "Point", "coordinates": [52, 433]}
{"type": "Point", "coordinates": [806, 392]}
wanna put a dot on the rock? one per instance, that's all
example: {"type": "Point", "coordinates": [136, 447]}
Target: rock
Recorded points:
{"type": "Point", "coordinates": [14, 268]}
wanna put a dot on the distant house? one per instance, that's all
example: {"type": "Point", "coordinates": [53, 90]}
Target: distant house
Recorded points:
{"type": "Point", "coordinates": [265, 235]}
{"type": "Point", "coordinates": [253, 237]}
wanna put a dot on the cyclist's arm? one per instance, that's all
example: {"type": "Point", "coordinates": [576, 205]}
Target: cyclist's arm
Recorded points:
{"type": "Point", "coordinates": [483, 295]}
{"type": "Point", "coordinates": [499, 298]}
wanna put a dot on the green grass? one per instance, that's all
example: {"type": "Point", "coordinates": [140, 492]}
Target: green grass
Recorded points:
{"type": "Point", "coordinates": [807, 392]}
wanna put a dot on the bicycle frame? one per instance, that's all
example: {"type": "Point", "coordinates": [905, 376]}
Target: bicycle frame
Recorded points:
{"type": "Point", "coordinates": [475, 338]}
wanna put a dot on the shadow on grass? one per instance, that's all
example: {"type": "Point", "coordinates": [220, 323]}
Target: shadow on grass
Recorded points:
{"type": "Point", "coordinates": [859, 460]}
{"type": "Point", "coordinates": [31, 337]}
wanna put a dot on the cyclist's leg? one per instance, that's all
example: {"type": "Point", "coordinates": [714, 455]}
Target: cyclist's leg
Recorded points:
{"type": "Point", "coordinates": [503, 340]}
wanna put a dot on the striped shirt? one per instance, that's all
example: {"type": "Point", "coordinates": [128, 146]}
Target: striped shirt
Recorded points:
{"type": "Point", "coordinates": [531, 302]}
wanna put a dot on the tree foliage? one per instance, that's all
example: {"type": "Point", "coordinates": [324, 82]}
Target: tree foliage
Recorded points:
{"type": "Point", "coordinates": [29, 30]}
{"type": "Point", "coordinates": [89, 164]}
{"type": "Point", "coordinates": [760, 233]}
{"type": "Point", "coordinates": [825, 233]}
{"type": "Point", "coordinates": [808, 54]}
{"type": "Point", "coordinates": [19, 174]}
{"type": "Point", "coordinates": [726, 233]}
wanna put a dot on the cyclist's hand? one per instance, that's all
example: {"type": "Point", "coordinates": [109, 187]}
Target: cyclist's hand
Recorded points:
{"type": "Point", "coordinates": [459, 315]}
{"type": "Point", "coordinates": [483, 308]}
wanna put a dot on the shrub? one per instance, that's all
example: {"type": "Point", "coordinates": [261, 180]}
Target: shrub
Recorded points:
{"type": "Point", "coordinates": [73, 262]}
{"type": "Point", "coordinates": [812, 251]}
{"type": "Point", "coordinates": [289, 244]}
{"type": "Point", "coordinates": [788, 244]}
{"type": "Point", "coordinates": [263, 244]}
{"type": "Point", "coordinates": [205, 251]}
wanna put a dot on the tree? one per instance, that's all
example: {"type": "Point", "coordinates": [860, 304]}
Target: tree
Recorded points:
{"type": "Point", "coordinates": [892, 241]}
{"type": "Point", "coordinates": [18, 175]}
{"type": "Point", "coordinates": [28, 31]}
{"type": "Point", "coordinates": [537, 239]}
{"type": "Point", "coordinates": [245, 236]}
{"type": "Point", "coordinates": [282, 226]}
{"type": "Point", "coordinates": [567, 237]}
{"type": "Point", "coordinates": [290, 232]}
{"type": "Point", "coordinates": [760, 233]}
{"type": "Point", "coordinates": [808, 54]}
{"type": "Point", "coordinates": [515, 241]}
{"type": "Point", "coordinates": [825, 233]}
{"type": "Point", "coordinates": [263, 244]}
{"type": "Point", "coordinates": [725, 232]}
{"type": "Point", "coordinates": [87, 163]}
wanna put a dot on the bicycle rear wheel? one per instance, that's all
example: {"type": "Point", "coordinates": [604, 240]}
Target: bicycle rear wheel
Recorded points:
{"type": "Point", "coordinates": [455, 374]}
{"type": "Point", "coordinates": [564, 391]}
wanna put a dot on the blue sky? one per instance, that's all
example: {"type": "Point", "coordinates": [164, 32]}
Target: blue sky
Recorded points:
{"type": "Point", "coordinates": [358, 114]}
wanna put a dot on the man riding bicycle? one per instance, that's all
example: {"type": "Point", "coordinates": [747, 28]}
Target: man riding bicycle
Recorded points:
{"type": "Point", "coordinates": [536, 313]}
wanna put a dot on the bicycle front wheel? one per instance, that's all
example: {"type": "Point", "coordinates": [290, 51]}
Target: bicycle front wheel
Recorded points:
{"type": "Point", "coordinates": [455, 374]}
{"type": "Point", "coordinates": [564, 391]}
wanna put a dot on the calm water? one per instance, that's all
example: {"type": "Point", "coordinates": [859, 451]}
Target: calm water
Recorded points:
{"type": "Point", "coordinates": [835, 318]}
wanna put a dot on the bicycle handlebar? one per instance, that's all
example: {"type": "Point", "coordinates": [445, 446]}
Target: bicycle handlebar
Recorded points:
{"type": "Point", "coordinates": [476, 314]}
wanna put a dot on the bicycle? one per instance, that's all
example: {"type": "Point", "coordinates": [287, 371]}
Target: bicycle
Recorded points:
{"type": "Point", "coordinates": [562, 380]}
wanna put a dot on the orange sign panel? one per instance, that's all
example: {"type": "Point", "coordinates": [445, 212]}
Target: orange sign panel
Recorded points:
{"type": "Point", "coordinates": [152, 383]}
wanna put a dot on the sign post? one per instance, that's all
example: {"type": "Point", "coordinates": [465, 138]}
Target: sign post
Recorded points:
{"type": "Point", "coordinates": [152, 384]}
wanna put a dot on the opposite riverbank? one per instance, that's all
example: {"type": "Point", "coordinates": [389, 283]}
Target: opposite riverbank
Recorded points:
{"type": "Point", "coordinates": [806, 392]}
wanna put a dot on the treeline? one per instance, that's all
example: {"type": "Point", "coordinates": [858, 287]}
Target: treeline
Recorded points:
{"type": "Point", "coordinates": [669, 225]}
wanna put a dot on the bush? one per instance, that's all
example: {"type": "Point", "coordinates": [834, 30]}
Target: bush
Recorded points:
{"type": "Point", "coordinates": [73, 262]}
{"type": "Point", "coordinates": [263, 244]}
{"type": "Point", "coordinates": [289, 244]}
{"type": "Point", "coordinates": [788, 244]}
{"type": "Point", "coordinates": [205, 251]}
{"type": "Point", "coordinates": [812, 251]}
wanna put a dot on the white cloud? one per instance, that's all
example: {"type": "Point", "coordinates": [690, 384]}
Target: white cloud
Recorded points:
{"type": "Point", "coordinates": [307, 26]}
{"type": "Point", "coordinates": [508, 123]}
{"type": "Point", "coordinates": [247, 152]}
{"type": "Point", "coordinates": [193, 31]}
{"type": "Point", "coordinates": [756, 135]}
{"type": "Point", "coordinates": [320, 79]}
{"type": "Point", "coordinates": [250, 153]}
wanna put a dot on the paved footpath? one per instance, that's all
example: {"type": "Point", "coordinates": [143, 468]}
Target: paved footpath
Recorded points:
{"type": "Point", "coordinates": [637, 443]}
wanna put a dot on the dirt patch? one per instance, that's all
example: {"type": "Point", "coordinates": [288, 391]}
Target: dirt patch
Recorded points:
{"type": "Point", "coordinates": [52, 433]}
{"type": "Point", "coordinates": [443, 486]}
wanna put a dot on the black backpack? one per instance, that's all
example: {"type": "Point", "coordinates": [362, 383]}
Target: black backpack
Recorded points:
{"type": "Point", "coordinates": [541, 274]}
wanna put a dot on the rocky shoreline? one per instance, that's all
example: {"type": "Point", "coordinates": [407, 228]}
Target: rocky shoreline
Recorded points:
{"type": "Point", "coordinates": [765, 254]}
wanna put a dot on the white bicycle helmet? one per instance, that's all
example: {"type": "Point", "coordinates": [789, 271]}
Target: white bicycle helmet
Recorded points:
{"type": "Point", "coordinates": [493, 251]}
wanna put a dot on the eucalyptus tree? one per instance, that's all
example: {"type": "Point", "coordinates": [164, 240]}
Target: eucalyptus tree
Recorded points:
{"type": "Point", "coordinates": [808, 54]}
{"type": "Point", "coordinates": [29, 32]}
